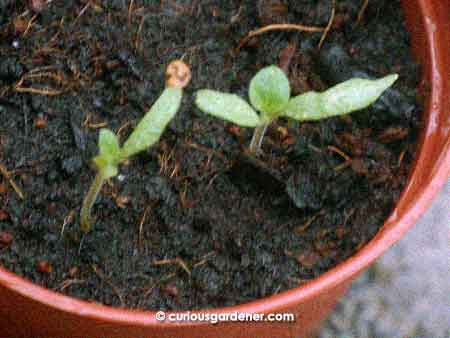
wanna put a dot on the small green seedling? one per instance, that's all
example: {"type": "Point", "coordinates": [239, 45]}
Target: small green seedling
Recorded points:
{"type": "Point", "coordinates": [270, 94]}
{"type": "Point", "coordinates": [147, 133]}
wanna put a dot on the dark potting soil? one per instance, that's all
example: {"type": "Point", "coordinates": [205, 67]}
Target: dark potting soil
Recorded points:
{"type": "Point", "coordinates": [192, 223]}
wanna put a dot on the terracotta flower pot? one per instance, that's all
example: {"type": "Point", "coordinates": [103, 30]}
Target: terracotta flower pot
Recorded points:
{"type": "Point", "coordinates": [27, 310]}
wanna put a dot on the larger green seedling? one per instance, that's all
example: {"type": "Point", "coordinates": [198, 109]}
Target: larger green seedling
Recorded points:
{"type": "Point", "coordinates": [146, 134]}
{"type": "Point", "coordinates": [270, 95]}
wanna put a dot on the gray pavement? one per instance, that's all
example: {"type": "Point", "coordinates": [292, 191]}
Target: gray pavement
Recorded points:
{"type": "Point", "coordinates": [407, 292]}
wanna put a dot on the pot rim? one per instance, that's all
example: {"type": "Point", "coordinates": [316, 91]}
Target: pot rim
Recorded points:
{"type": "Point", "coordinates": [393, 229]}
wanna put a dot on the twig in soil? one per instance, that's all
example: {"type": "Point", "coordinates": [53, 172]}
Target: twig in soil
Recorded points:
{"type": "Point", "coordinates": [401, 157]}
{"type": "Point", "coordinates": [276, 27]}
{"type": "Point", "coordinates": [122, 128]}
{"type": "Point", "coordinates": [39, 91]}
{"type": "Point", "coordinates": [87, 124]}
{"type": "Point", "coordinates": [138, 33]}
{"type": "Point", "coordinates": [58, 77]}
{"type": "Point", "coordinates": [330, 24]}
{"type": "Point", "coordinates": [24, 14]}
{"type": "Point", "coordinates": [203, 260]}
{"type": "Point", "coordinates": [235, 18]}
{"type": "Point", "coordinates": [206, 150]}
{"type": "Point", "coordinates": [97, 125]}
{"type": "Point", "coordinates": [67, 220]}
{"type": "Point", "coordinates": [195, 6]}
{"type": "Point", "coordinates": [49, 50]}
{"type": "Point", "coordinates": [185, 203]}
{"type": "Point", "coordinates": [40, 73]}
{"type": "Point", "coordinates": [69, 282]}
{"type": "Point", "coordinates": [41, 69]}
{"type": "Point", "coordinates": [213, 178]}
{"type": "Point", "coordinates": [85, 8]}
{"type": "Point", "coordinates": [348, 159]}
{"type": "Point", "coordinates": [130, 11]}
{"type": "Point", "coordinates": [315, 149]}
{"type": "Point", "coordinates": [142, 222]}
{"type": "Point", "coordinates": [30, 25]}
{"type": "Point", "coordinates": [176, 170]}
{"type": "Point", "coordinates": [301, 230]}
{"type": "Point", "coordinates": [81, 244]}
{"type": "Point", "coordinates": [348, 216]}
{"type": "Point", "coordinates": [286, 56]}
{"type": "Point", "coordinates": [177, 261]}
{"type": "Point", "coordinates": [105, 279]}
{"type": "Point", "coordinates": [321, 234]}
{"type": "Point", "coordinates": [54, 38]}
{"type": "Point", "coordinates": [163, 161]}
{"type": "Point", "coordinates": [7, 175]}
{"type": "Point", "coordinates": [162, 280]}
{"type": "Point", "coordinates": [4, 91]}
{"type": "Point", "coordinates": [361, 12]}
{"type": "Point", "coordinates": [277, 289]}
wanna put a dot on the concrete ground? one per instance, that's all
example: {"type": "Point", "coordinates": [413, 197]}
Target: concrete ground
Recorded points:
{"type": "Point", "coordinates": [407, 293]}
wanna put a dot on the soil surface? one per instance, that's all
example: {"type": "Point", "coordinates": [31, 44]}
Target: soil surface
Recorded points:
{"type": "Point", "coordinates": [193, 223]}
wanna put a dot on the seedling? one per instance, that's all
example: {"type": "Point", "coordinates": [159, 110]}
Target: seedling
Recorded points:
{"type": "Point", "coordinates": [146, 134]}
{"type": "Point", "coordinates": [270, 94]}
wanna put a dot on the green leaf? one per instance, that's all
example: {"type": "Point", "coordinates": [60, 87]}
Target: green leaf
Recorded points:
{"type": "Point", "coordinates": [109, 153]}
{"type": "Point", "coordinates": [305, 107]}
{"type": "Point", "coordinates": [108, 144]}
{"type": "Point", "coordinates": [270, 91]}
{"type": "Point", "coordinates": [344, 98]}
{"type": "Point", "coordinates": [107, 169]}
{"type": "Point", "coordinates": [153, 124]}
{"type": "Point", "coordinates": [228, 107]}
